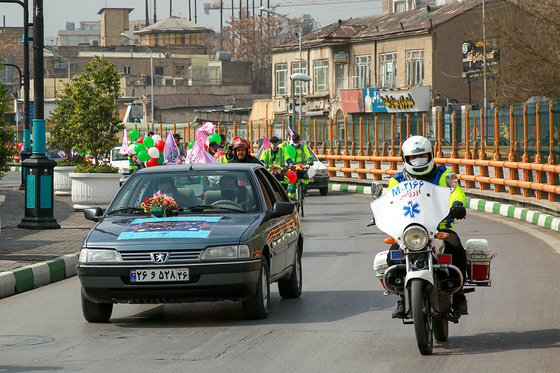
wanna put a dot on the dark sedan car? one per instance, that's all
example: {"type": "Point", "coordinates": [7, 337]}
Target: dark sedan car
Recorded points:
{"type": "Point", "coordinates": [235, 231]}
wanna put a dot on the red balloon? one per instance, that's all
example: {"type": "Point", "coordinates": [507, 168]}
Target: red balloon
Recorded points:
{"type": "Point", "coordinates": [160, 145]}
{"type": "Point", "coordinates": [206, 146]}
{"type": "Point", "coordinates": [20, 145]}
{"type": "Point", "coordinates": [292, 177]}
{"type": "Point", "coordinates": [140, 140]}
{"type": "Point", "coordinates": [151, 162]}
{"type": "Point", "coordinates": [218, 154]}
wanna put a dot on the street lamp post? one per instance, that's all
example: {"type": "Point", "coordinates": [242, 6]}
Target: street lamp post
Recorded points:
{"type": "Point", "coordinates": [297, 77]}
{"type": "Point", "coordinates": [270, 11]}
{"type": "Point", "coordinates": [64, 58]}
{"type": "Point", "coordinates": [151, 73]}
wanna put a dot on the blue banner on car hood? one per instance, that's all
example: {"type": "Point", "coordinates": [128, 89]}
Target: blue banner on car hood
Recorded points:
{"type": "Point", "coordinates": [172, 227]}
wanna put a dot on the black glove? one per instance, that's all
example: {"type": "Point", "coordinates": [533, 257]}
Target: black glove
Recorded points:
{"type": "Point", "coordinates": [457, 212]}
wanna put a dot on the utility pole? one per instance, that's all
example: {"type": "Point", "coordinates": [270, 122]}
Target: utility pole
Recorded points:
{"type": "Point", "coordinates": [39, 196]}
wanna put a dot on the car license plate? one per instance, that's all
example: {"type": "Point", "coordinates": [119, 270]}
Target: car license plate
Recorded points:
{"type": "Point", "coordinates": [159, 275]}
{"type": "Point", "coordinates": [311, 179]}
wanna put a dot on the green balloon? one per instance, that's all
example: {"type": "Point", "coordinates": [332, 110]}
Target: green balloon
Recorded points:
{"type": "Point", "coordinates": [143, 156]}
{"type": "Point", "coordinates": [160, 161]}
{"type": "Point", "coordinates": [291, 152]}
{"type": "Point", "coordinates": [215, 137]}
{"type": "Point", "coordinates": [134, 134]}
{"type": "Point", "coordinates": [148, 142]}
{"type": "Point", "coordinates": [191, 144]}
{"type": "Point", "coordinates": [139, 148]}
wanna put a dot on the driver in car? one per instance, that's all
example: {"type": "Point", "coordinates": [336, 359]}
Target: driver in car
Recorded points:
{"type": "Point", "coordinates": [232, 191]}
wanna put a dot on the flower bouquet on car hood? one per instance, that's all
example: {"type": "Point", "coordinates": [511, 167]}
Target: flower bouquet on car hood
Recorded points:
{"type": "Point", "coordinates": [160, 205]}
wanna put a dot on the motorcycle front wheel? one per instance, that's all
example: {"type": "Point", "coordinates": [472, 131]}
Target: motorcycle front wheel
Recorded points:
{"type": "Point", "coordinates": [421, 317]}
{"type": "Point", "coordinates": [441, 329]}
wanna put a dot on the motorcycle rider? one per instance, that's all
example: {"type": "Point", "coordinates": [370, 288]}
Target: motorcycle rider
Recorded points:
{"type": "Point", "coordinates": [302, 155]}
{"type": "Point", "coordinates": [241, 153]}
{"type": "Point", "coordinates": [418, 159]}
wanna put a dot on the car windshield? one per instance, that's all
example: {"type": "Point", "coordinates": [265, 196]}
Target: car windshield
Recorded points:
{"type": "Point", "coordinates": [194, 191]}
{"type": "Point", "coordinates": [119, 157]}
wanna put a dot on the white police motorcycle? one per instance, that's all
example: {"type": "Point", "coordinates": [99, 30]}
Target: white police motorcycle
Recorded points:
{"type": "Point", "coordinates": [410, 213]}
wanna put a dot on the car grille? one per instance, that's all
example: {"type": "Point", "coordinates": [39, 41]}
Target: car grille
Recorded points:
{"type": "Point", "coordinates": [175, 256]}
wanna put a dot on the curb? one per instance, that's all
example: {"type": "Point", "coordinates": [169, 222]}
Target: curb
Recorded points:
{"type": "Point", "coordinates": [15, 168]}
{"type": "Point", "coordinates": [530, 216]}
{"type": "Point", "coordinates": [36, 275]}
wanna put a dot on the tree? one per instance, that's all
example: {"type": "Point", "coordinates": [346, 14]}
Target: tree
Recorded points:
{"type": "Point", "coordinates": [86, 116]}
{"type": "Point", "coordinates": [7, 132]}
{"type": "Point", "coordinates": [252, 39]}
{"type": "Point", "coordinates": [527, 35]}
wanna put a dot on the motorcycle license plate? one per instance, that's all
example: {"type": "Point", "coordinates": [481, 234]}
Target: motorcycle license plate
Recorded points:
{"type": "Point", "coordinates": [311, 179]}
{"type": "Point", "coordinates": [159, 275]}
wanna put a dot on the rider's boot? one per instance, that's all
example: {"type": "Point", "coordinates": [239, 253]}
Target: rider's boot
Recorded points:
{"type": "Point", "coordinates": [399, 313]}
{"type": "Point", "coordinates": [460, 303]}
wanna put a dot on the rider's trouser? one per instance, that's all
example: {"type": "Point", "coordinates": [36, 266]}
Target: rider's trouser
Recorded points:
{"type": "Point", "coordinates": [292, 187]}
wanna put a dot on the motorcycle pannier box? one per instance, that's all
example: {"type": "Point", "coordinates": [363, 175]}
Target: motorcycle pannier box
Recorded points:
{"type": "Point", "coordinates": [479, 257]}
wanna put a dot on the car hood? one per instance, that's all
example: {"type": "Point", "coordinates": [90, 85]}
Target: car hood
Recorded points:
{"type": "Point", "coordinates": [133, 233]}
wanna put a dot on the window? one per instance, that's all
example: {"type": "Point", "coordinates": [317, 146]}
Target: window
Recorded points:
{"type": "Point", "coordinates": [400, 6]}
{"type": "Point", "coordinates": [179, 69]}
{"type": "Point", "coordinates": [321, 76]}
{"type": "Point", "coordinates": [281, 71]}
{"type": "Point", "coordinates": [127, 70]}
{"type": "Point", "coordinates": [362, 71]}
{"type": "Point", "coordinates": [73, 37]}
{"type": "Point", "coordinates": [73, 65]}
{"type": "Point", "coordinates": [158, 70]}
{"type": "Point", "coordinates": [295, 69]}
{"type": "Point", "coordinates": [414, 68]}
{"type": "Point", "coordinates": [339, 77]}
{"type": "Point", "coordinates": [388, 69]}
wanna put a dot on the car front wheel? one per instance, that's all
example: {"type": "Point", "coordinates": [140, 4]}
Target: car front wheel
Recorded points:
{"type": "Point", "coordinates": [258, 305]}
{"type": "Point", "coordinates": [96, 312]}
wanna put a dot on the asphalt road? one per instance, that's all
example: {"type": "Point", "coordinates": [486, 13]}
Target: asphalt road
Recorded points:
{"type": "Point", "coordinates": [342, 322]}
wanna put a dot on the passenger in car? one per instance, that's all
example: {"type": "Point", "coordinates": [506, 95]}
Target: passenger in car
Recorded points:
{"type": "Point", "coordinates": [166, 185]}
{"type": "Point", "coordinates": [231, 190]}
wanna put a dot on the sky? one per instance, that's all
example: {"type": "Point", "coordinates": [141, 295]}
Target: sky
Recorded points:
{"type": "Point", "coordinates": [58, 12]}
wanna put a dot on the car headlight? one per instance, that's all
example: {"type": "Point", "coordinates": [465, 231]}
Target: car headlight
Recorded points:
{"type": "Point", "coordinates": [322, 171]}
{"type": "Point", "coordinates": [226, 252]}
{"type": "Point", "coordinates": [415, 238]}
{"type": "Point", "coordinates": [99, 255]}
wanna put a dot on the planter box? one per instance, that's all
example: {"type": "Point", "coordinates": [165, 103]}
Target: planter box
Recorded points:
{"type": "Point", "coordinates": [94, 190]}
{"type": "Point", "coordinates": [61, 180]}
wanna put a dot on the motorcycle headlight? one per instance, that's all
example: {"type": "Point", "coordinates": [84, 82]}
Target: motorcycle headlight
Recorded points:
{"type": "Point", "coordinates": [415, 238]}
{"type": "Point", "coordinates": [99, 255]}
{"type": "Point", "coordinates": [226, 252]}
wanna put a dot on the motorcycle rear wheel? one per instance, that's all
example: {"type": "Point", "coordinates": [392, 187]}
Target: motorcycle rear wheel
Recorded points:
{"type": "Point", "coordinates": [441, 329]}
{"type": "Point", "coordinates": [422, 318]}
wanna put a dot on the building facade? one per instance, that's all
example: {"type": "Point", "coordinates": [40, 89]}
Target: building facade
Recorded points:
{"type": "Point", "coordinates": [382, 63]}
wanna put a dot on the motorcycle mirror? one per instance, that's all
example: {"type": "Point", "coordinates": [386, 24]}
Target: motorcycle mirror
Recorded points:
{"type": "Point", "coordinates": [376, 190]}
{"type": "Point", "coordinates": [451, 180]}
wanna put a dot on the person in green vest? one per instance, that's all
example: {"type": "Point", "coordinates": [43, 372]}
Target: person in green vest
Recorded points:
{"type": "Point", "coordinates": [229, 154]}
{"type": "Point", "coordinates": [298, 153]}
{"type": "Point", "coordinates": [275, 155]}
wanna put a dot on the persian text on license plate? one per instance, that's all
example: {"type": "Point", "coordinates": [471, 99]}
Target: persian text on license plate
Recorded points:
{"type": "Point", "coordinates": [159, 275]}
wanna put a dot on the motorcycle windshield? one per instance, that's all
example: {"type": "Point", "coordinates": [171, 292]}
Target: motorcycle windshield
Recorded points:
{"type": "Point", "coordinates": [414, 201]}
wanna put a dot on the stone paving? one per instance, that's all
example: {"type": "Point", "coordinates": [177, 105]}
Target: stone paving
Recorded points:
{"type": "Point", "coordinates": [21, 247]}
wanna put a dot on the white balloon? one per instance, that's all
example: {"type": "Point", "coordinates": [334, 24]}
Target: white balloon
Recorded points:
{"type": "Point", "coordinates": [131, 150]}
{"type": "Point", "coordinates": [156, 138]}
{"type": "Point", "coordinates": [153, 152]}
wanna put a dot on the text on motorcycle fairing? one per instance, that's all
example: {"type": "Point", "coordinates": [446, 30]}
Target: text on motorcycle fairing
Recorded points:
{"type": "Point", "coordinates": [408, 188]}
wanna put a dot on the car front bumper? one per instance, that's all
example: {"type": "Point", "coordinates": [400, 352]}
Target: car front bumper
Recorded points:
{"type": "Point", "coordinates": [318, 181]}
{"type": "Point", "coordinates": [235, 281]}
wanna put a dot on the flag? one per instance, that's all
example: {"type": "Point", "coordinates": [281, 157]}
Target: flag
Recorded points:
{"type": "Point", "coordinates": [124, 147]}
{"type": "Point", "coordinates": [198, 155]}
{"type": "Point", "coordinates": [266, 143]}
{"type": "Point", "coordinates": [171, 152]}
{"type": "Point", "coordinates": [204, 132]}
{"type": "Point", "coordinates": [291, 133]}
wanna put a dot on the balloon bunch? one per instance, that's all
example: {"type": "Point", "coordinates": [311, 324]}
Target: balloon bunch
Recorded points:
{"type": "Point", "coordinates": [147, 149]}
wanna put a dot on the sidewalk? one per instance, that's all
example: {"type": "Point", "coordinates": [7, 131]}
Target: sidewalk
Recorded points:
{"type": "Point", "coordinates": [22, 247]}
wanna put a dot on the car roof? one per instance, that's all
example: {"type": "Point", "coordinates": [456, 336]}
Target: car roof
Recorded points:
{"type": "Point", "coordinates": [201, 167]}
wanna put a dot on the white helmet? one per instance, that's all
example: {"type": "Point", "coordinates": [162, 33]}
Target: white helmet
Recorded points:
{"type": "Point", "coordinates": [418, 145]}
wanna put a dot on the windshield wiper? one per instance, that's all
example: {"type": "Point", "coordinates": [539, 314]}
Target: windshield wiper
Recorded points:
{"type": "Point", "coordinates": [130, 210]}
{"type": "Point", "coordinates": [199, 208]}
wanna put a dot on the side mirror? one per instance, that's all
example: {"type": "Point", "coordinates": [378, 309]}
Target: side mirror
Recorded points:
{"type": "Point", "coordinates": [93, 213]}
{"type": "Point", "coordinates": [281, 209]}
{"type": "Point", "coordinates": [376, 190]}
{"type": "Point", "coordinates": [451, 180]}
